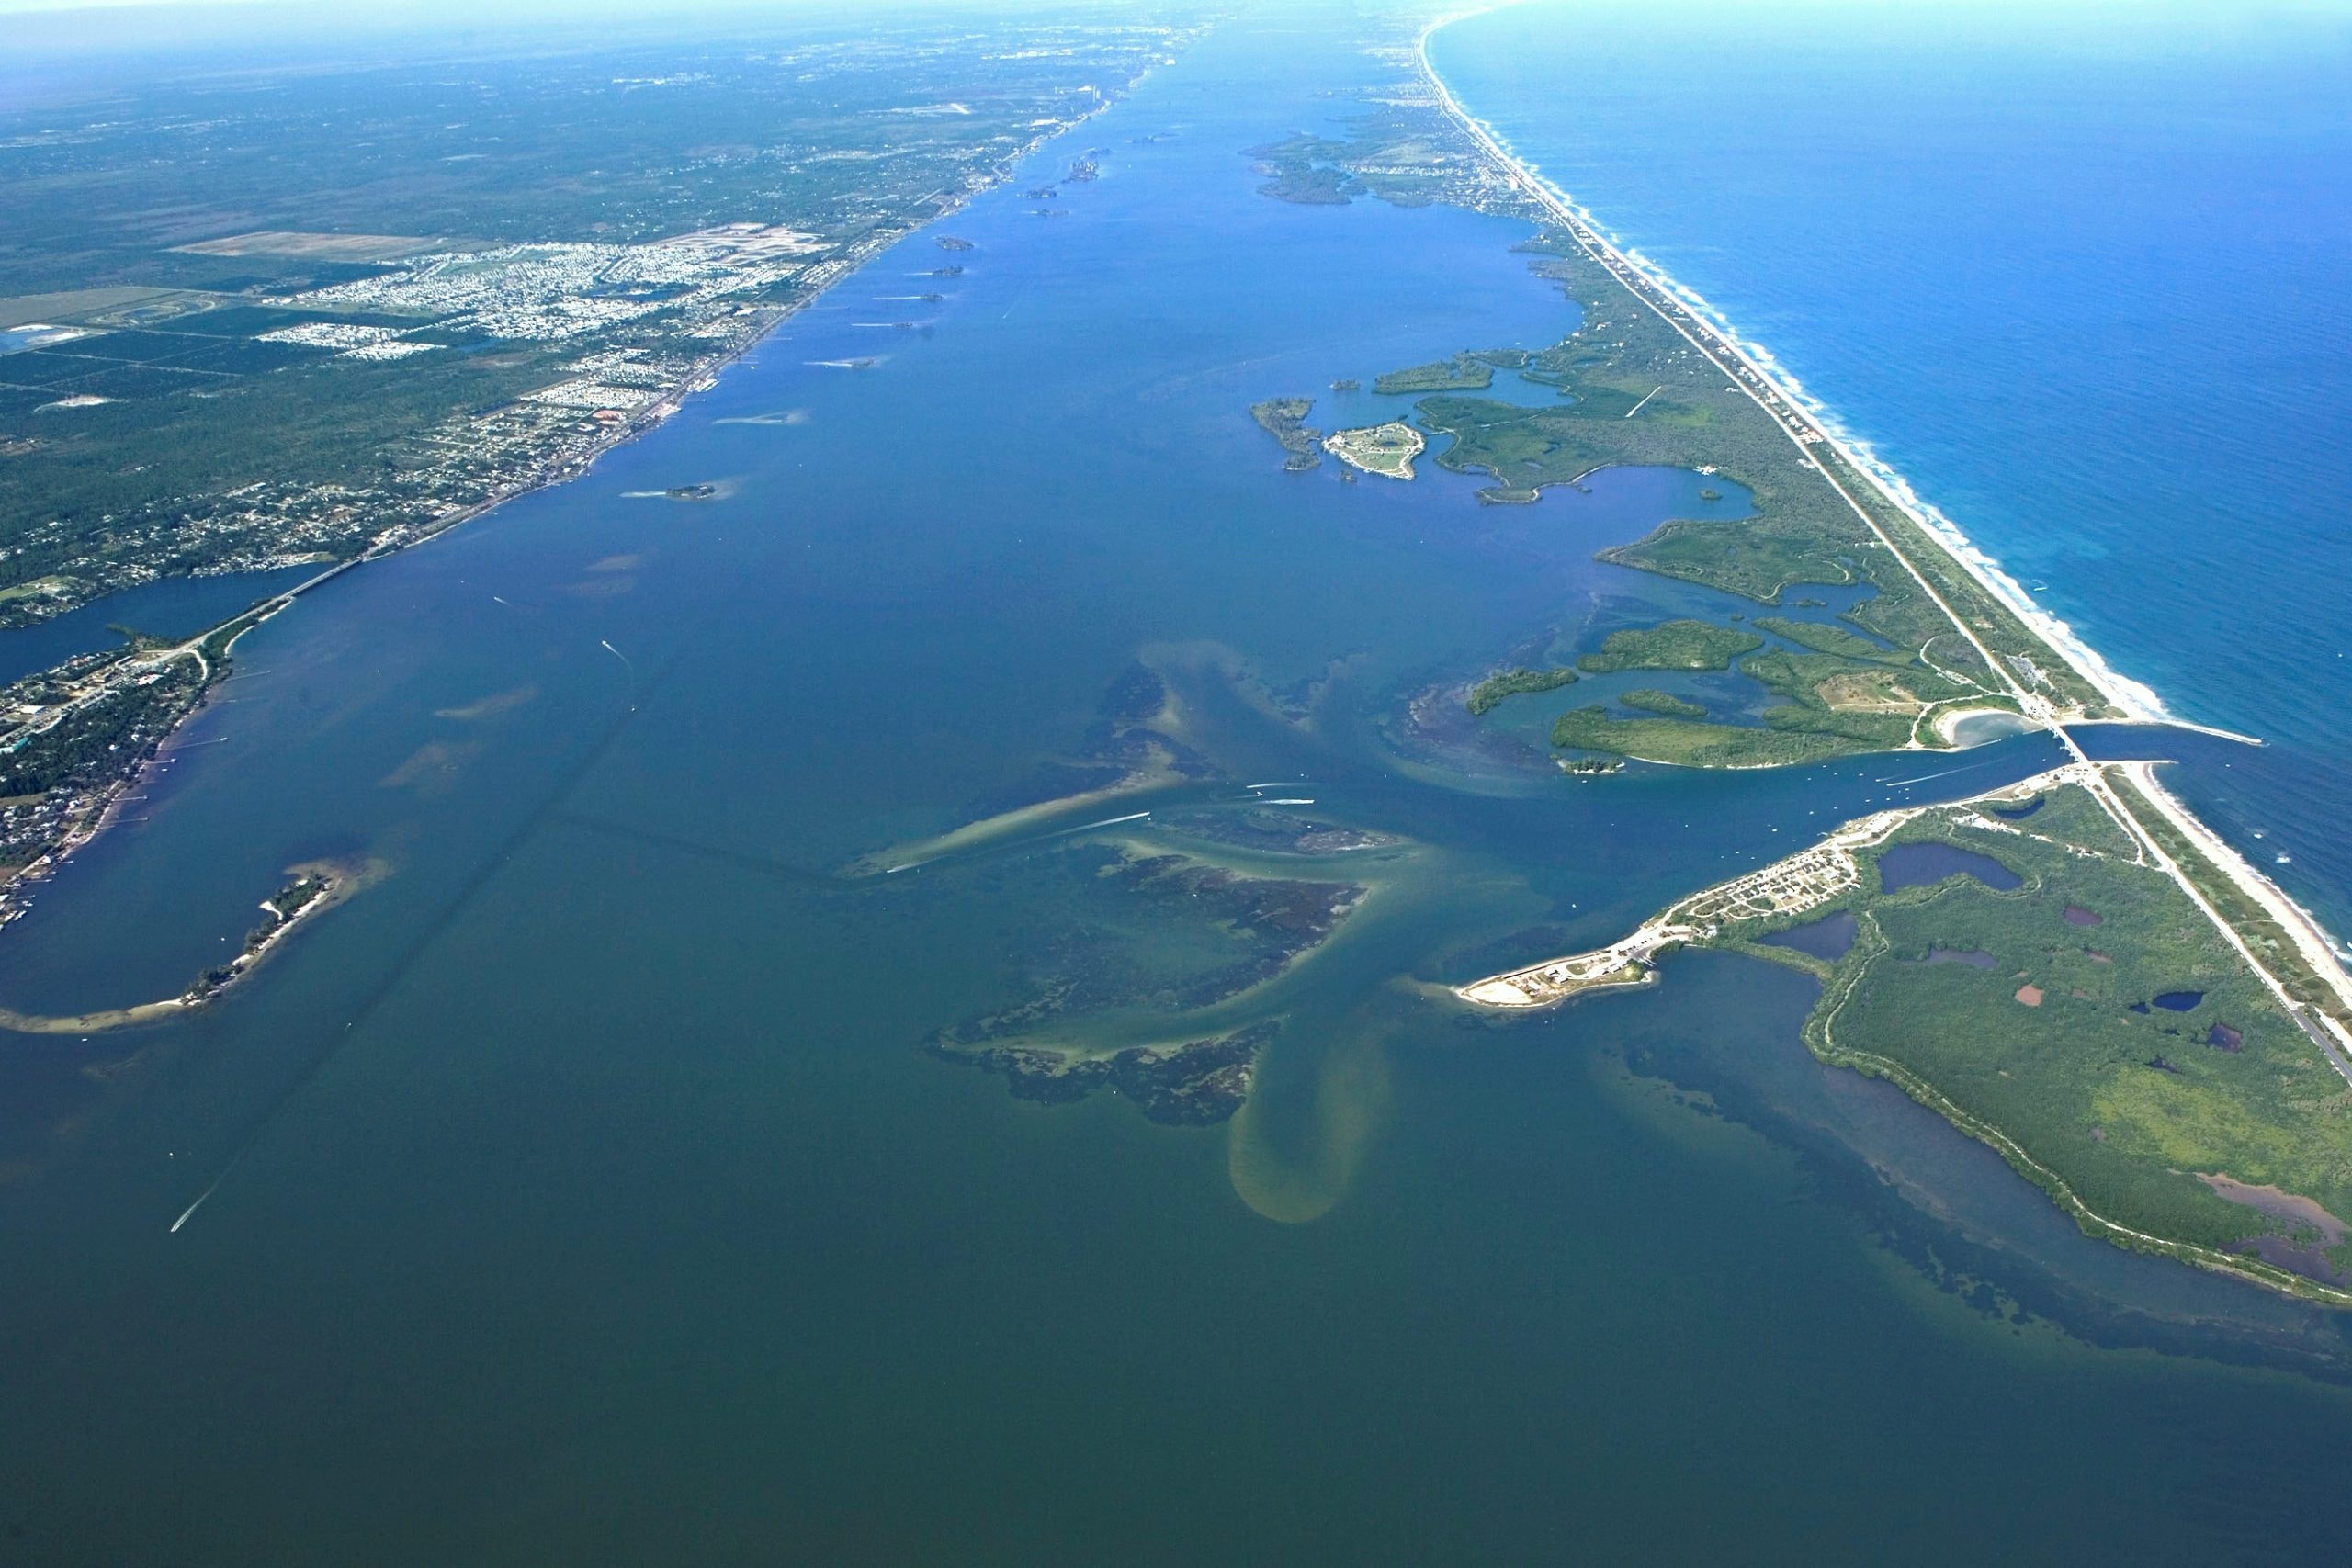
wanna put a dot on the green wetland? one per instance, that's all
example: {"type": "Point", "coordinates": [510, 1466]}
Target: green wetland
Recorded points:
{"type": "Point", "coordinates": [606, 1181]}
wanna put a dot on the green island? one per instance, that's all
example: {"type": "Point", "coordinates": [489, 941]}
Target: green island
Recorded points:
{"type": "Point", "coordinates": [310, 891]}
{"type": "Point", "coordinates": [1684, 742]}
{"type": "Point", "coordinates": [1670, 645]}
{"type": "Point", "coordinates": [2035, 966]}
{"type": "Point", "coordinates": [306, 893]}
{"type": "Point", "coordinates": [1490, 692]}
{"type": "Point", "coordinates": [1459, 374]}
{"type": "Point", "coordinates": [1648, 699]}
{"type": "Point", "coordinates": [1285, 419]}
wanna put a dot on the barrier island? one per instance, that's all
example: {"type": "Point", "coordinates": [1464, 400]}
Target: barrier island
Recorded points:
{"type": "Point", "coordinates": [2030, 964]}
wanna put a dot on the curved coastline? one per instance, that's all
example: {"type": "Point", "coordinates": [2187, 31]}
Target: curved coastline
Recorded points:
{"type": "Point", "coordinates": [2319, 946]}
{"type": "Point", "coordinates": [2138, 701]}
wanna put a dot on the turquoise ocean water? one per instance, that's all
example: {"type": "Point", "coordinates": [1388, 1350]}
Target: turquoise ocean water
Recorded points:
{"type": "Point", "coordinates": [580, 1193]}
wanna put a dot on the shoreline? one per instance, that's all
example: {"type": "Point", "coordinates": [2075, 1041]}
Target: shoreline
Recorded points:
{"type": "Point", "coordinates": [18, 882]}
{"type": "Point", "coordinates": [2138, 702]}
{"type": "Point", "coordinates": [343, 879]}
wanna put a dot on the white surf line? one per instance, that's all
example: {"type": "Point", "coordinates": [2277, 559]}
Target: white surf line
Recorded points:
{"type": "Point", "coordinates": [1804, 423]}
{"type": "Point", "coordinates": [1644, 403]}
{"type": "Point", "coordinates": [2129, 696]}
{"type": "Point", "coordinates": [2138, 702]}
{"type": "Point", "coordinates": [1294, 800]}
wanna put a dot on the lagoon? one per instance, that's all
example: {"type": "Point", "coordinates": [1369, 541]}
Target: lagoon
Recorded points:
{"type": "Point", "coordinates": [582, 1192]}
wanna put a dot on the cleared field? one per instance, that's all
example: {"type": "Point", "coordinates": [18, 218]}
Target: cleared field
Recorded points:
{"type": "Point", "coordinates": [331, 247]}
{"type": "Point", "coordinates": [24, 309]}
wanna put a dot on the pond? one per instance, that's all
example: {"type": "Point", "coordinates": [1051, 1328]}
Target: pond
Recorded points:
{"type": "Point", "coordinates": [1916, 865]}
{"type": "Point", "coordinates": [1826, 938]}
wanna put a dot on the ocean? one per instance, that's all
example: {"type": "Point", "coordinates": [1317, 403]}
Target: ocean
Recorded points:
{"type": "Point", "coordinates": [582, 1192]}
{"type": "Point", "coordinates": [2082, 274]}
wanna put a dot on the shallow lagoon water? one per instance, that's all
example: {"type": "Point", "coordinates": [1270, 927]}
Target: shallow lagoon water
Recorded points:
{"type": "Point", "coordinates": [580, 1193]}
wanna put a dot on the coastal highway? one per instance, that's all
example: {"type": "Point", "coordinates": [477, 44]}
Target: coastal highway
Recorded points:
{"type": "Point", "coordinates": [1659, 293]}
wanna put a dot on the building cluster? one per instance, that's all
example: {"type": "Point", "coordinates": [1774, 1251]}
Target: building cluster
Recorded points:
{"type": "Point", "coordinates": [557, 291]}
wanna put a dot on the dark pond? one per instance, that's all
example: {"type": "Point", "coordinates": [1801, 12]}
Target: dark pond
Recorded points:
{"type": "Point", "coordinates": [1915, 865]}
{"type": "Point", "coordinates": [1828, 937]}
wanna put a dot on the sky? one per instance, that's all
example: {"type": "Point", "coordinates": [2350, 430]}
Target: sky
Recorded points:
{"type": "Point", "coordinates": [87, 34]}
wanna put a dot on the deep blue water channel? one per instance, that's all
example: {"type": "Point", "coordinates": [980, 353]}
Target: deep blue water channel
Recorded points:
{"type": "Point", "coordinates": [578, 1193]}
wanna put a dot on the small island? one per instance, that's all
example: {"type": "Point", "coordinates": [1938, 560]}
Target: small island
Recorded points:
{"type": "Point", "coordinates": [1285, 419]}
{"type": "Point", "coordinates": [1649, 699]}
{"type": "Point", "coordinates": [310, 892]}
{"type": "Point", "coordinates": [1490, 692]}
{"type": "Point", "coordinates": [1463, 373]}
{"type": "Point", "coordinates": [1387, 450]}
{"type": "Point", "coordinates": [1189, 1083]}
{"type": "Point", "coordinates": [1671, 645]}
{"type": "Point", "coordinates": [304, 895]}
